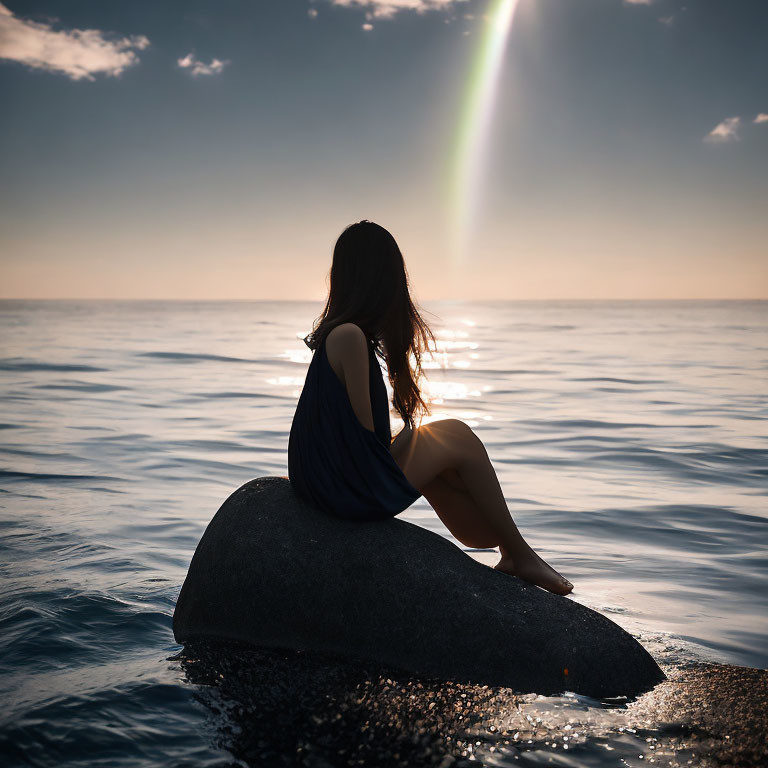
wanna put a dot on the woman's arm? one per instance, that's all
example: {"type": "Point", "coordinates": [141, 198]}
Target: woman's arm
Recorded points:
{"type": "Point", "coordinates": [347, 350]}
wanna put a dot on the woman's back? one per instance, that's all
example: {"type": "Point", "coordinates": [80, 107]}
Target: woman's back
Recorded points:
{"type": "Point", "coordinates": [339, 452]}
{"type": "Point", "coordinates": [334, 461]}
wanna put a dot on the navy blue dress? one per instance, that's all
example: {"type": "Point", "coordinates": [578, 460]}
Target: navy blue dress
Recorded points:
{"type": "Point", "coordinates": [334, 462]}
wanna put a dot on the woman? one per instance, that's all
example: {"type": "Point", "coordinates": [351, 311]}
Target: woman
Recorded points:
{"type": "Point", "coordinates": [340, 454]}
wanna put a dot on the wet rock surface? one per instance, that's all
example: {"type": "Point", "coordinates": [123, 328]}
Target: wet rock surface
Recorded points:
{"type": "Point", "coordinates": [287, 708]}
{"type": "Point", "coordinates": [274, 572]}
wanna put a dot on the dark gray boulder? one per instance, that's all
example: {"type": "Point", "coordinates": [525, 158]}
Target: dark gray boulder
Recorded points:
{"type": "Point", "coordinates": [275, 572]}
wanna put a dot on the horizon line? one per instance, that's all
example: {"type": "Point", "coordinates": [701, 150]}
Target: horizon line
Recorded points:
{"type": "Point", "coordinates": [420, 301]}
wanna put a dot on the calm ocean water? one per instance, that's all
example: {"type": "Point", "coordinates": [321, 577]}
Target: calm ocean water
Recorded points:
{"type": "Point", "coordinates": [631, 440]}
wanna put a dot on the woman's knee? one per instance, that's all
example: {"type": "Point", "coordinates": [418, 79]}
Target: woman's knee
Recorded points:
{"type": "Point", "coordinates": [460, 434]}
{"type": "Point", "coordinates": [453, 427]}
{"type": "Point", "coordinates": [454, 441]}
{"type": "Point", "coordinates": [447, 447]}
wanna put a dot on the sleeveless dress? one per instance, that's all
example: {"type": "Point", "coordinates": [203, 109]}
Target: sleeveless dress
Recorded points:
{"type": "Point", "coordinates": [334, 462]}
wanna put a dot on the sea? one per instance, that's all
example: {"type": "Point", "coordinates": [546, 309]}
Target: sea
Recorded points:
{"type": "Point", "coordinates": [630, 439]}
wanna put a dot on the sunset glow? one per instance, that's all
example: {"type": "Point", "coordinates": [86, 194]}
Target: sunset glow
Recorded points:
{"type": "Point", "coordinates": [515, 149]}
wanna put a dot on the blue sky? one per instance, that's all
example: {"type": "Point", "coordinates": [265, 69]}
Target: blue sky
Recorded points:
{"type": "Point", "coordinates": [217, 149]}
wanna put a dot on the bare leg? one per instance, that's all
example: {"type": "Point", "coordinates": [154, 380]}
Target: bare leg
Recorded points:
{"type": "Point", "coordinates": [448, 463]}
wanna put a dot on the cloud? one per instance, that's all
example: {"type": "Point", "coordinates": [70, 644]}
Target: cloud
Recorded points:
{"type": "Point", "coordinates": [761, 118]}
{"type": "Point", "coordinates": [386, 9]}
{"type": "Point", "coordinates": [77, 53]}
{"type": "Point", "coordinates": [367, 27]}
{"type": "Point", "coordinates": [312, 13]}
{"type": "Point", "coordinates": [197, 67]}
{"type": "Point", "coordinates": [667, 21]}
{"type": "Point", "coordinates": [725, 131]}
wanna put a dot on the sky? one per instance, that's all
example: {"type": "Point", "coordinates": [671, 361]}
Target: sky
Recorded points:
{"type": "Point", "coordinates": [216, 150]}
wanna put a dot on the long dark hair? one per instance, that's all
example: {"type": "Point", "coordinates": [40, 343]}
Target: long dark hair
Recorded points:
{"type": "Point", "coordinates": [369, 287]}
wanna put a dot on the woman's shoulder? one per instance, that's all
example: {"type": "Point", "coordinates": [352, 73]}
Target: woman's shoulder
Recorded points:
{"type": "Point", "coordinates": [346, 347]}
{"type": "Point", "coordinates": [346, 341]}
{"type": "Point", "coordinates": [346, 334]}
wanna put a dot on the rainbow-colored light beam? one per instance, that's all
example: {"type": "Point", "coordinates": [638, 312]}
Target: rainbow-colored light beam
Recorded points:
{"type": "Point", "coordinates": [468, 158]}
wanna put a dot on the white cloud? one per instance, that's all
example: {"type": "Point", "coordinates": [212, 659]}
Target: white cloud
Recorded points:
{"type": "Point", "coordinates": [312, 13]}
{"type": "Point", "coordinates": [667, 21]}
{"type": "Point", "coordinates": [761, 118]}
{"type": "Point", "coordinates": [77, 53]}
{"type": "Point", "coordinates": [727, 130]}
{"type": "Point", "coordinates": [367, 27]}
{"type": "Point", "coordinates": [197, 67]}
{"type": "Point", "coordinates": [385, 9]}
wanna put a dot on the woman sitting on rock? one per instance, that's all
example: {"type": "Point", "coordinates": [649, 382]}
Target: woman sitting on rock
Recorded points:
{"type": "Point", "coordinates": [341, 457]}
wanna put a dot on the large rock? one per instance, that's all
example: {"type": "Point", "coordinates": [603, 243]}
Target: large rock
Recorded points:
{"type": "Point", "coordinates": [275, 572]}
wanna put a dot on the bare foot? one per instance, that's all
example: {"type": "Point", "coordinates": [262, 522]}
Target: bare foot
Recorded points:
{"type": "Point", "coordinates": [535, 571]}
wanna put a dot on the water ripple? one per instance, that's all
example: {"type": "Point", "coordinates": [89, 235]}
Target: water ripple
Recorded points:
{"type": "Point", "coordinates": [629, 439]}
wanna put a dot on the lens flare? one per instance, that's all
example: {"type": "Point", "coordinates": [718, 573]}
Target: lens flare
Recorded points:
{"type": "Point", "coordinates": [471, 146]}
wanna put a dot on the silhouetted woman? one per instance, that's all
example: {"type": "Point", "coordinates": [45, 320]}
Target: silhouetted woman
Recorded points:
{"type": "Point", "coordinates": [341, 457]}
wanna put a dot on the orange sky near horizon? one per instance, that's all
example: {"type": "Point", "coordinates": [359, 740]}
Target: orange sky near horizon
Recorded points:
{"type": "Point", "coordinates": [576, 260]}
